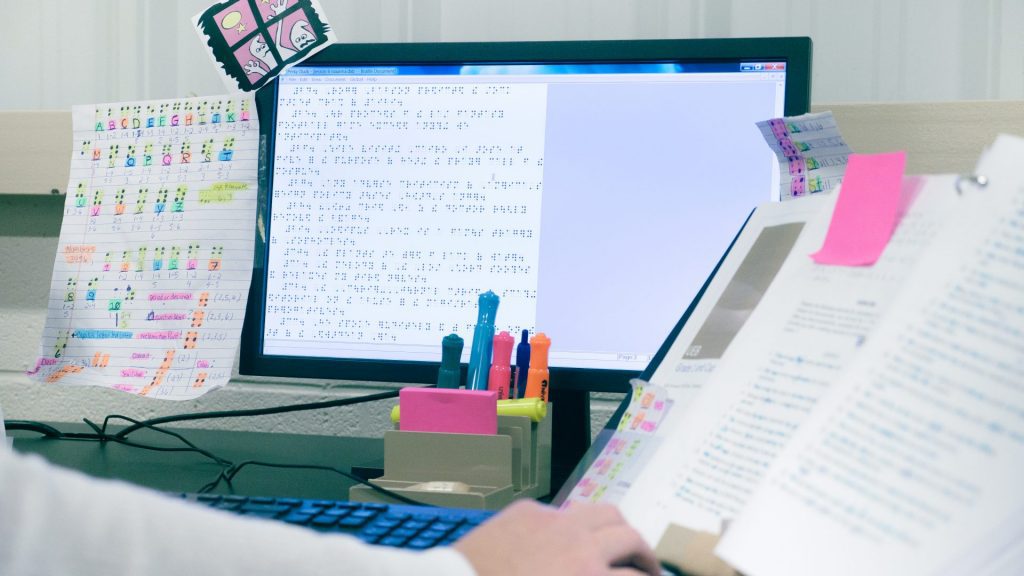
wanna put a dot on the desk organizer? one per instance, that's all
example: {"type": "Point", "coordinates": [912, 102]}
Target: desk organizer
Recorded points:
{"type": "Point", "coordinates": [466, 470]}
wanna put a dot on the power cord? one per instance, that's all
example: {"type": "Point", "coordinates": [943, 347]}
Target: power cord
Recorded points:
{"type": "Point", "coordinates": [228, 468]}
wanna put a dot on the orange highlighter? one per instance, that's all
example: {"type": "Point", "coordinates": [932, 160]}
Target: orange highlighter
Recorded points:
{"type": "Point", "coordinates": [538, 377]}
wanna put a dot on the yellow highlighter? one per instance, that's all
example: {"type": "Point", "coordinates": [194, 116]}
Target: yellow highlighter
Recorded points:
{"type": "Point", "coordinates": [533, 408]}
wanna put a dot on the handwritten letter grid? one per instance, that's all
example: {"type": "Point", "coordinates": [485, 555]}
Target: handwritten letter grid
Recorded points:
{"type": "Point", "coordinates": [155, 252]}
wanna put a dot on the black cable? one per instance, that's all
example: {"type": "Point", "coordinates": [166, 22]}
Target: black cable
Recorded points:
{"type": "Point", "coordinates": [102, 432]}
{"type": "Point", "coordinates": [229, 469]}
{"type": "Point", "coordinates": [260, 411]}
{"type": "Point", "coordinates": [228, 475]}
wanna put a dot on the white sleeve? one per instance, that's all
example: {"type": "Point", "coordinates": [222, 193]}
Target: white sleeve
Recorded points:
{"type": "Point", "coordinates": [56, 521]}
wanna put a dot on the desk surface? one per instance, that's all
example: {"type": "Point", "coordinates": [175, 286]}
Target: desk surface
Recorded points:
{"type": "Point", "coordinates": [187, 471]}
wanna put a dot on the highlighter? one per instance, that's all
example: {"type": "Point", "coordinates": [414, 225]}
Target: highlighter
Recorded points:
{"type": "Point", "coordinates": [537, 379]}
{"type": "Point", "coordinates": [451, 355]}
{"type": "Point", "coordinates": [501, 372]}
{"type": "Point", "coordinates": [532, 408]}
{"type": "Point", "coordinates": [522, 364]}
{"type": "Point", "coordinates": [483, 334]}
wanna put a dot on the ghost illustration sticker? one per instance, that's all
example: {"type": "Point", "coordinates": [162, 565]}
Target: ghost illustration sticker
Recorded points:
{"type": "Point", "coordinates": [252, 41]}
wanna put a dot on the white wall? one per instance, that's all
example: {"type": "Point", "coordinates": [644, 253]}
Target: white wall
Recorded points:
{"type": "Point", "coordinates": [63, 52]}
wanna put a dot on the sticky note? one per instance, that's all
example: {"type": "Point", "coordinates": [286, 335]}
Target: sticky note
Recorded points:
{"type": "Point", "coordinates": [448, 410]}
{"type": "Point", "coordinates": [866, 211]}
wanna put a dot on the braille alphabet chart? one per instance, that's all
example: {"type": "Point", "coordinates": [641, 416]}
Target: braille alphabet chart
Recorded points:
{"type": "Point", "coordinates": [155, 252]}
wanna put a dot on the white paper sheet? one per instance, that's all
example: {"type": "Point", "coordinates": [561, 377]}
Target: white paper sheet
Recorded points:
{"type": "Point", "coordinates": [919, 451]}
{"type": "Point", "coordinates": [809, 324]}
{"type": "Point", "coordinates": [155, 252]}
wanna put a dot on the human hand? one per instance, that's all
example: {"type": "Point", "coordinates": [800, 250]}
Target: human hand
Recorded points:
{"type": "Point", "coordinates": [528, 539]}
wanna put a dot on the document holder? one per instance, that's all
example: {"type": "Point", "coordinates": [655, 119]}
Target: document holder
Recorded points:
{"type": "Point", "coordinates": [476, 471]}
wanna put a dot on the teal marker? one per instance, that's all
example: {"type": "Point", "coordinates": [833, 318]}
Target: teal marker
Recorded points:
{"type": "Point", "coordinates": [451, 355]}
{"type": "Point", "coordinates": [483, 338]}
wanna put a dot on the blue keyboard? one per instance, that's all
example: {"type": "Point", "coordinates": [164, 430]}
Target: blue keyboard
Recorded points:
{"type": "Point", "coordinates": [402, 526]}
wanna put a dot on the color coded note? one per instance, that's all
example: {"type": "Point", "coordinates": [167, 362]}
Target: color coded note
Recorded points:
{"type": "Point", "coordinates": [630, 447]}
{"type": "Point", "coordinates": [812, 153]}
{"type": "Point", "coordinates": [252, 42]}
{"type": "Point", "coordinates": [155, 253]}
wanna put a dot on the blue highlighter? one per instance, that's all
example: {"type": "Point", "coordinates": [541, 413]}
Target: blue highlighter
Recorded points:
{"type": "Point", "coordinates": [483, 339]}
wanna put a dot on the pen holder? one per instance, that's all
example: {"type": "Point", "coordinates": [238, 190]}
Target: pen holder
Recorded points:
{"type": "Point", "coordinates": [476, 471]}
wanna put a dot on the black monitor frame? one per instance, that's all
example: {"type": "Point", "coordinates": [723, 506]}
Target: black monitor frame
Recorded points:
{"type": "Point", "coordinates": [794, 51]}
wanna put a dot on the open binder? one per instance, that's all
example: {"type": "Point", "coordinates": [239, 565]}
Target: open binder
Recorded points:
{"type": "Point", "coordinates": [860, 420]}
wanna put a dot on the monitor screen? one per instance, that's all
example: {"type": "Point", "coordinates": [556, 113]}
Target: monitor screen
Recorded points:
{"type": "Point", "coordinates": [592, 186]}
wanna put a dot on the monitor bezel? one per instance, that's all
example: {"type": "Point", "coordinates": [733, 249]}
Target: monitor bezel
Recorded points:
{"type": "Point", "coordinates": [794, 51]}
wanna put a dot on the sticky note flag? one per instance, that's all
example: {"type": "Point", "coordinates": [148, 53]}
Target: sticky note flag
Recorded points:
{"type": "Point", "coordinates": [448, 410]}
{"type": "Point", "coordinates": [252, 41]}
{"type": "Point", "coordinates": [866, 211]}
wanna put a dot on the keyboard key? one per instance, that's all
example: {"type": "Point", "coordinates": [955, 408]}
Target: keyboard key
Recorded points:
{"type": "Point", "coordinates": [420, 543]}
{"type": "Point", "coordinates": [324, 521]}
{"type": "Point", "coordinates": [364, 513]}
{"type": "Point", "coordinates": [403, 533]}
{"type": "Point", "coordinates": [375, 530]}
{"type": "Point", "coordinates": [368, 538]}
{"type": "Point", "coordinates": [432, 535]}
{"type": "Point", "coordinates": [226, 505]}
{"type": "Point", "coordinates": [397, 515]}
{"type": "Point", "coordinates": [425, 517]}
{"type": "Point", "coordinates": [234, 498]}
{"type": "Point", "coordinates": [297, 518]}
{"type": "Point", "coordinates": [385, 523]}
{"type": "Point", "coordinates": [289, 501]}
{"type": "Point", "coordinates": [374, 506]}
{"type": "Point", "coordinates": [271, 509]}
{"type": "Point", "coordinates": [415, 524]}
{"type": "Point", "coordinates": [442, 527]}
{"type": "Point", "coordinates": [261, 500]}
{"type": "Point", "coordinates": [392, 541]}
{"type": "Point", "coordinates": [337, 512]}
{"type": "Point", "coordinates": [353, 521]}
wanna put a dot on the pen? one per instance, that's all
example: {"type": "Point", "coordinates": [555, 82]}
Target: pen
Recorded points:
{"type": "Point", "coordinates": [480, 354]}
{"type": "Point", "coordinates": [448, 375]}
{"type": "Point", "coordinates": [522, 365]}
{"type": "Point", "coordinates": [501, 374]}
{"type": "Point", "coordinates": [537, 378]}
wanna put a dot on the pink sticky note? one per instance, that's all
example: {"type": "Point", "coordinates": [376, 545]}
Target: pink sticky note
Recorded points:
{"type": "Point", "coordinates": [448, 410]}
{"type": "Point", "coordinates": [866, 211]}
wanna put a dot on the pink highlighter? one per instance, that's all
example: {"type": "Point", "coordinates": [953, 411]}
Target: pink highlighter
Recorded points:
{"type": "Point", "coordinates": [501, 370]}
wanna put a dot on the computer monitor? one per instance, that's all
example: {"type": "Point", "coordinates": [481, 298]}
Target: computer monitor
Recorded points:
{"type": "Point", "coordinates": [592, 185]}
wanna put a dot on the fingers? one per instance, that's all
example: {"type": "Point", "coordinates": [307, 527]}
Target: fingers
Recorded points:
{"type": "Point", "coordinates": [622, 546]}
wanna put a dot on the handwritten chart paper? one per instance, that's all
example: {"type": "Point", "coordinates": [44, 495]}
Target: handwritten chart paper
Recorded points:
{"type": "Point", "coordinates": [155, 251]}
{"type": "Point", "coordinates": [812, 153]}
{"type": "Point", "coordinates": [252, 41]}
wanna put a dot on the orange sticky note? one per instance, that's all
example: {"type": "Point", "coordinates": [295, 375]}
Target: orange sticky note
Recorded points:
{"type": "Point", "coordinates": [866, 212]}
